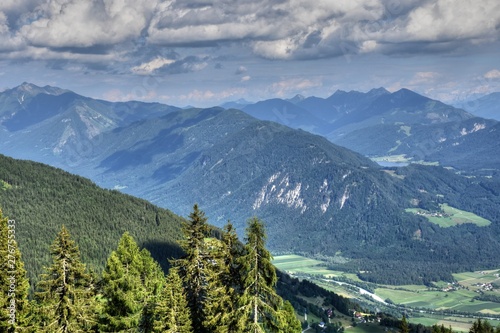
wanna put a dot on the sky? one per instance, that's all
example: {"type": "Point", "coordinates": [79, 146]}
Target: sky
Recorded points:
{"type": "Point", "coordinates": [206, 52]}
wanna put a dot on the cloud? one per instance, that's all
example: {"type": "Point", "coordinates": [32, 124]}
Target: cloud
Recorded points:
{"type": "Point", "coordinates": [424, 77]}
{"type": "Point", "coordinates": [150, 67]}
{"type": "Point", "coordinates": [117, 95]}
{"type": "Point", "coordinates": [284, 87]}
{"type": "Point", "coordinates": [241, 70]}
{"type": "Point", "coordinates": [74, 23]}
{"type": "Point", "coordinates": [304, 29]}
{"type": "Point", "coordinates": [133, 30]}
{"type": "Point", "coordinates": [204, 97]}
{"type": "Point", "coordinates": [185, 65]}
{"type": "Point", "coordinates": [245, 78]}
{"type": "Point", "coordinates": [494, 74]}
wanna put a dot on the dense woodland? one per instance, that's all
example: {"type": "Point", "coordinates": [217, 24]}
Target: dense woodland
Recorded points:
{"type": "Point", "coordinates": [219, 285]}
{"type": "Point", "coordinates": [41, 199]}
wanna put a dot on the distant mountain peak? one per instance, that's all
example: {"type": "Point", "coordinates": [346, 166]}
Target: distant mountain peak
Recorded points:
{"type": "Point", "coordinates": [405, 91]}
{"type": "Point", "coordinates": [33, 89]}
{"type": "Point", "coordinates": [338, 92]}
{"type": "Point", "coordinates": [296, 99]}
{"type": "Point", "coordinates": [378, 91]}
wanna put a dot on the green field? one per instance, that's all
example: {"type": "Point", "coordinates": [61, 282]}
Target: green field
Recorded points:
{"type": "Point", "coordinates": [450, 217]}
{"type": "Point", "coordinates": [391, 158]}
{"type": "Point", "coordinates": [443, 296]}
{"type": "Point", "coordinates": [457, 324]}
{"type": "Point", "coordinates": [295, 264]}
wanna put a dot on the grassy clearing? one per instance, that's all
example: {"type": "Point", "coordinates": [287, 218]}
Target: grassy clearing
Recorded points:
{"type": "Point", "coordinates": [391, 158]}
{"type": "Point", "coordinates": [295, 264]}
{"type": "Point", "coordinates": [457, 324]}
{"type": "Point", "coordinates": [450, 217]}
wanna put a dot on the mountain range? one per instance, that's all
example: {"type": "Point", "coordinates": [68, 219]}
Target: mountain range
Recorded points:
{"type": "Point", "coordinates": [487, 106]}
{"type": "Point", "coordinates": [315, 196]}
{"type": "Point", "coordinates": [381, 124]}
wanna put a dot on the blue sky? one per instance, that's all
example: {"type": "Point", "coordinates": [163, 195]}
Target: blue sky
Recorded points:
{"type": "Point", "coordinates": [203, 53]}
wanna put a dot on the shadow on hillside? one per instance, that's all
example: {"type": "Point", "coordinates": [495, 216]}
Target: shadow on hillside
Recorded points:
{"type": "Point", "coordinates": [163, 252]}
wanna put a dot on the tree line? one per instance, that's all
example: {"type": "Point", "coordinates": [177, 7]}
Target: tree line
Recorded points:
{"type": "Point", "coordinates": [218, 285]}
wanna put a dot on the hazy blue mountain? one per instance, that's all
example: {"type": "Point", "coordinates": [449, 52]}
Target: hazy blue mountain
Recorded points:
{"type": "Point", "coordinates": [239, 104]}
{"type": "Point", "coordinates": [486, 107]}
{"type": "Point", "coordinates": [286, 113]}
{"type": "Point", "coordinates": [380, 123]}
{"type": "Point", "coordinates": [62, 123]}
{"type": "Point", "coordinates": [340, 103]}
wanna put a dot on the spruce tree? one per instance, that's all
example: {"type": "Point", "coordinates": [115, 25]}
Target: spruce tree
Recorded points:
{"type": "Point", "coordinates": [14, 286]}
{"type": "Point", "coordinates": [131, 281]}
{"type": "Point", "coordinates": [171, 314]}
{"type": "Point", "coordinates": [193, 265]}
{"type": "Point", "coordinates": [218, 305]}
{"type": "Point", "coordinates": [480, 326]}
{"type": "Point", "coordinates": [404, 325]}
{"type": "Point", "coordinates": [226, 286]}
{"type": "Point", "coordinates": [289, 323]}
{"type": "Point", "coordinates": [65, 293]}
{"type": "Point", "coordinates": [259, 304]}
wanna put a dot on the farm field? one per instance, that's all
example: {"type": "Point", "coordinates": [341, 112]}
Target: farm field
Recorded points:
{"type": "Point", "coordinates": [451, 217]}
{"type": "Point", "coordinates": [443, 296]}
{"type": "Point", "coordinates": [457, 324]}
{"type": "Point", "coordinates": [296, 264]}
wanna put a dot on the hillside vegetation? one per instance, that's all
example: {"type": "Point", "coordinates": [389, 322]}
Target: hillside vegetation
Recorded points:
{"type": "Point", "coordinates": [41, 199]}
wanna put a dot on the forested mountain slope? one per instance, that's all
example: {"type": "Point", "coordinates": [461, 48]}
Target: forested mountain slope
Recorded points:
{"type": "Point", "coordinates": [41, 199]}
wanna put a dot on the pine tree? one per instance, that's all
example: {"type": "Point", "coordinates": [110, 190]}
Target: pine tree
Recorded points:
{"type": "Point", "coordinates": [171, 314]}
{"type": "Point", "coordinates": [259, 304]}
{"type": "Point", "coordinates": [404, 325]}
{"type": "Point", "coordinates": [218, 305]}
{"type": "Point", "coordinates": [66, 295]}
{"type": "Point", "coordinates": [480, 326]}
{"type": "Point", "coordinates": [193, 266]}
{"type": "Point", "coordinates": [233, 251]}
{"type": "Point", "coordinates": [152, 278]}
{"type": "Point", "coordinates": [231, 280]}
{"type": "Point", "coordinates": [14, 305]}
{"type": "Point", "coordinates": [289, 323]}
{"type": "Point", "coordinates": [131, 281]}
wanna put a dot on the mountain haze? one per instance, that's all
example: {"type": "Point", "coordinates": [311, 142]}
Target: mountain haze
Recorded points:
{"type": "Point", "coordinates": [486, 107]}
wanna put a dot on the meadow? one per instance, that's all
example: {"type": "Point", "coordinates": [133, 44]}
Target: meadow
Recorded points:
{"type": "Point", "coordinates": [451, 216]}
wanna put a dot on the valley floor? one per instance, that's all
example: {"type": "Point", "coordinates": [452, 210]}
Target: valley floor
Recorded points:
{"type": "Point", "coordinates": [473, 294]}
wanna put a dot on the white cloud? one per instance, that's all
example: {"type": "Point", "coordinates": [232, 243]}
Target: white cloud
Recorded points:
{"type": "Point", "coordinates": [286, 87]}
{"type": "Point", "coordinates": [117, 95]}
{"type": "Point", "coordinates": [204, 97]}
{"type": "Point", "coordinates": [74, 23]}
{"type": "Point", "coordinates": [149, 67]}
{"type": "Point", "coordinates": [245, 78]}
{"type": "Point", "coordinates": [241, 70]}
{"type": "Point", "coordinates": [424, 77]}
{"type": "Point", "coordinates": [494, 74]}
{"type": "Point", "coordinates": [285, 29]}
